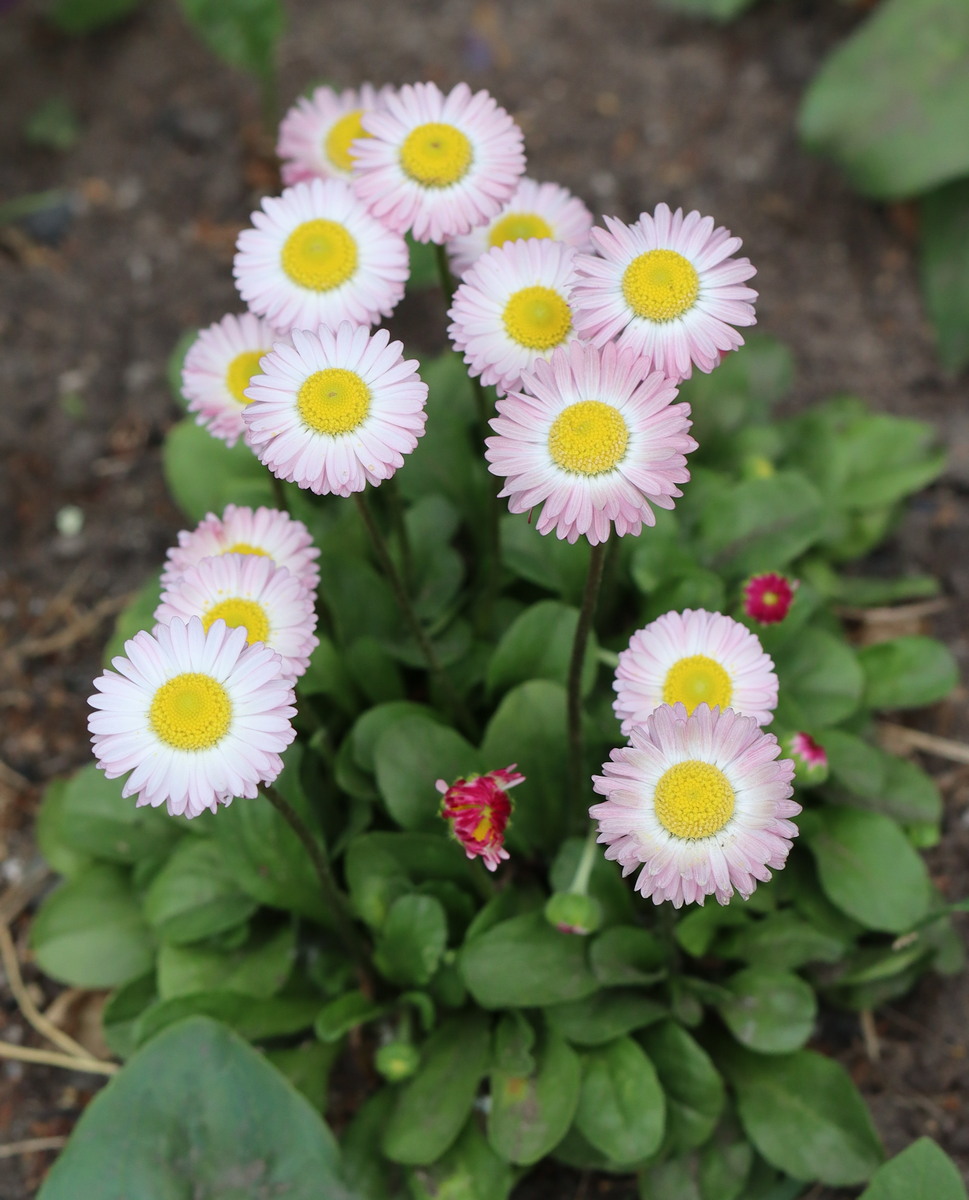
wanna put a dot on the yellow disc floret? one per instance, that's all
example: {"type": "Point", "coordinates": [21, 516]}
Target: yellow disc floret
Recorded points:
{"type": "Point", "coordinates": [537, 318]}
{"type": "Point", "coordinates": [436, 155]}
{"type": "Point", "coordinates": [245, 548]}
{"type": "Point", "coordinates": [319, 255]}
{"type": "Point", "coordinates": [589, 438]}
{"type": "Point", "coordinates": [697, 680]}
{"type": "Point", "coordinates": [240, 371]}
{"type": "Point", "coordinates": [660, 285]}
{"type": "Point", "coordinates": [336, 144]}
{"type": "Point", "coordinates": [235, 612]}
{"type": "Point", "coordinates": [514, 226]}
{"type": "Point", "coordinates": [191, 712]}
{"type": "Point", "coordinates": [333, 401]}
{"type": "Point", "coordinates": [694, 799]}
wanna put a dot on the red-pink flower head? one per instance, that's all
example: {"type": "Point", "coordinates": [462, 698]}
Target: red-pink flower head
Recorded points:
{"type": "Point", "coordinates": [478, 809]}
{"type": "Point", "coordinates": [768, 598]}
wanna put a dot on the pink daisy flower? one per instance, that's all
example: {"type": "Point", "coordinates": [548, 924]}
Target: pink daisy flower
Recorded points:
{"type": "Point", "coordinates": [478, 809]}
{"type": "Point", "coordinates": [691, 658]}
{"type": "Point", "coordinates": [667, 288]}
{"type": "Point", "coordinates": [536, 210]}
{"type": "Point", "coordinates": [218, 367]}
{"type": "Point", "coordinates": [317, 257]}
{"type": "Point", "coordinates": [512, 309]}
{"type": "Point", "coordinates": [592, 438]}
{"type": "Point", "coordinates": [267, 532]}
{"type": "Point", "coordinates": [317, 133]}
{"type": "Point", "coordinates": [768, 598]}
{"type": "Point", "coordinates": [195, 715]}
{"type": "Point", "coordinates": [699, 803]}
{"type": "Point", "coordinates": [247, 591]}
{"type": "Point", "coordinates": [336, 410]}
{"type": "Point", "coordinates": [437, 165]}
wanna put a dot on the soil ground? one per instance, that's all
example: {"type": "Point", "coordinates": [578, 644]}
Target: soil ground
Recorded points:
{"type": "Point", "coordinates": [621, 102]}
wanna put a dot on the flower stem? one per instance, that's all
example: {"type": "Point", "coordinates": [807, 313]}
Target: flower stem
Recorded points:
{"type": "Point", "coordinates": [582, 631]}
{"type": "Point", "coordinates": [334, 899]}
{"type": "Point", "coordinates": [457, 705]}
{"type": "Point", "coordinates": [279, 493]}
{"type": "Point", "coordinates": [580, 881]}
{"type": "Point", "coordinates": [448, 285]}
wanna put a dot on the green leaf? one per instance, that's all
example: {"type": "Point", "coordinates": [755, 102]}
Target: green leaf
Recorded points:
{"type": "Point", "coordinates": [98, 821]}
{"type": "Point", "coordinates": [434, 1104]}
{"type": "Point", "coordinates": [724, 1163]}
{"type": "Point", "coordinates": [868, 868]}
{"type": "Point", "coordinates": [246, 1133]}
{"type": "Point", "coordinates": [121, 1014]}
{"type": "Point", "coordinates": [769, 1010]}
{"type": "Point", "coordinates": [530, 1114]}
{"type": "Point", "coordinates": [889, 104]}
{"type": "Point", "coordinates": [344, 1013]}
{"type": "Point", "coordinates": [763, 524]}
{"type": "Point", "coordinates": [90, 932]}
{"type": "Point", "coordinates": [782, 940]}
{"type": "Point", "coordinates": [538, 645]}
{"type": "Point", "coordinates": [921, 1172]}
{"type": "Point", "coordinates": [907, 672]}
{"type": "Point", "coordinates": [260, 967]}
{"type": "Point", "coordinates": [552, 564]}
{"type": "Point", "coordinates": [138, 615]}
{"type": "Point", "coordinates": [369, 728]}
{"type": "Point", "coordinates": [804, 1115]}
{"type": "Point", "coordinates": [820, 681]}
{"type": "Point", "coordinates": [253, 1018]}
{"type": "Point", "coordinates": [381, 866]}
{"type": "Point", "coordinates": [61, 854]}
{"type": "Point", "coordinates": [76, 17]}
{"type": "Point", "coordinates": [944, 263]}
{"type": "Point", "coordinates": [626, 956]}
{"type": "Point", "coordinates": [739, 392]}
{"type": "Point", "coordinates": [622, 1110]}
{"type": "Point", "coordinates": [529, 729]}
{"type": "Point", "coordinates": [695, 1095]}
{"type": "Point", "coordinates": [204, 475]}
{"type": "Point", "coordinates": [243, 33]}
{"type": "Point", "coordinates": [880, 781]}
{"type": "Point", "coordinates": [307, 1066]}
{"type": "Point", "coordinates": [470, 1170]}
{"type": "Point", "coordinates": [409, 757]}
{"type": "Point", "coordinates": [176, 360]}
{"type": "Point", "coordinates": [525, 963]}
{"type": "Point", "coordinates": [195, 896]}
{"type": "Point", "coordinates": [604, 1016]}
{"type": "Point", "coordinates": [412, 940]}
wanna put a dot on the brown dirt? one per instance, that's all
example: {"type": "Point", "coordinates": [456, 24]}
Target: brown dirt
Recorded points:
{"type": "Point", "coordinates": [621, 102]}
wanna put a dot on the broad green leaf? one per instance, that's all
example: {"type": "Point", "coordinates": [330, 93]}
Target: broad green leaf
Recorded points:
{"type": "Point", "coordinates": [604, 1016]}
{"type": "Point", "coordinates": [530, 1114]}
{"type": "Point", "coordinates": [259, 967]}
{"type": "Point", "coordinates": [626, 956]}
{"type": "Point", "coordinates": [250, 1016]}
{"type": "Point", "coordinates": [368, 729]}
{"type": "Point", "coordinates": [782, 940]}
{"type": "Point", "coordinates": [98, 821]}
{"type": "Point", "coordinates": [944, 262]}
{"type": "Point", "coordinates": [119, 1020]}
{"type": "Point", "coordinates": [673, 1178]}
{"type": "Point", "coordinates": [820, 681]}
{"type": "Point", "coordinates": [525, 963]}
{"type": "Point", "coordinates": [762, 524]}
{"type": "Point", "coordinates": [724, 1163]}
{"type": "Point", "coordinates": [907, 672]}
{"type": "Point", "coordinates": [307, 1066]}
{"type": "Point", "coordinates": [695, 1094]}
{"type": "Point", "coordinates": [869, 869]}
{"type": "Point", "coordinates": [412, 940]}
{"type": "Point", "coordinates": [243, 33]}
{"type": "Point", "coordinates": [910, 795]}
{"type": "Point", "coordinates": [61, 854]}
{"type": "Point", "coordinates": [470, 1170]}
{"type": "Point", "coordinates": [409, 757]}
{"type": "Point", "coordinates": [538, 645]}
{"type": "Point", "coordinates": [697, 930]}
{"type": "Point", "coordinates": [195, 896]}
{"type": "Point", "coordinates": [381, 866]}
{"type": "Point", "coordinates": [246, 1132]}
{"type": "Point", "coordinates": [138, 615]}
{"type": "Point", "coordinates": [769, 1010]}
{"type": "Point", "coordinates": [921, 1172]}
{"type": "Point", "coordinates": [344, 1013]}
{"type": "Point", "coordinates": [740, 391]}
{"type": "Point", "coordinates": [554, 565]}
{"type": "Point", "coordinates": [881, 782]}
{"type": "Point", "coordinates": [804, 1115]}
{"type": "Point", "coordinates": [76, 17]}
{"type": "Point", "coordinates": [514, 1040]}
{"type": "Point", "coordinates": [90, 932]}
{"type": "Point", "coordinates": [889, 104]}
{"type": "Point", "coordinates": [622, 1109]}
{"type": "Point", "coordinates": [433, 1106]}
{"type": "Point", "coordinates": [204, 475]}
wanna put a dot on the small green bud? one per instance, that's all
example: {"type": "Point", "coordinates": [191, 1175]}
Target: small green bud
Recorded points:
{"type": "Point", "coordinates": [572, 913]}
{"type": "Point", "coordinates": [397, 1061]}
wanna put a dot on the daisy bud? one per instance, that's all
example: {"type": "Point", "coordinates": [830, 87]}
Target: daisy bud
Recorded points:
{"type": "Point", "coordinates": [397, 1061]}
{"type": "Point", "coordinates": [571, 913]}
{"type": "Point", "coordinates": [810, 759]}
{"type": "Point", "coordinates": [768, 598]}
{"type": "Point", "coordinates": [478, 809]}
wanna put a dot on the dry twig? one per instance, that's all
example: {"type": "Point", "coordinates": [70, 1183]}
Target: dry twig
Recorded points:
{"type": "Point", "coordinates": [931, 743]}
{"type": "Point", "coordinates": [32, 1145]}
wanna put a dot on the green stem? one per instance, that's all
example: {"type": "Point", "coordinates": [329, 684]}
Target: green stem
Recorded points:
{"type": "Point", "coordinates": [448, 285]}
{"type": "Point", "coordinates": [580, 881]}
{"type": "Point", "coordinates": [458, 707]}
{"type": "Point", "coordinates": [400, 530]}
{"type": "Point", "coordinates": [333, 898]}
{"type": "Point", "coordinates": [279, 493]}
{"type": "Point", "coordinates": [582, 631]}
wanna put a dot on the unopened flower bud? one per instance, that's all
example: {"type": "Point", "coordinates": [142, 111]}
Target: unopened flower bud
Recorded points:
{"type": "Point", "coordinates": [397, 1061]}
{"type": "Point", "coordinates": [572, 913]}
{"type": "Point", "coordinates": [810, 760]}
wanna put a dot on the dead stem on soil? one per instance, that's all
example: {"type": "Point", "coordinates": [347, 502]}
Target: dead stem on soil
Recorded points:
{"type": "Point", "coordinates": [33, 1145]}
{"type": "Point", "coordinates": [931, 743]}
{"type": "Point", "coordinates": [869, 1035]}
{"type": "Point", "coordinates": [82, 626]}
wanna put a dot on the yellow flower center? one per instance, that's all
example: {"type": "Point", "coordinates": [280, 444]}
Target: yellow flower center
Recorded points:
{"type": "Point", "coordinates": [436, 155]}
{"type": "Point", "coordinates": [589, 437]}
{"type": "Point", "coordinates": [191, 712]}
{"type": "Point", "coordinates": [514, 226]}
{"type": "Point", "coordinates": [336, 144]}
{"type": "Point", "coordinates": [333, 401]}
{"type": "Point", "coordinates": [235, 612]}
{"type": "Point", "coordinates": [319, 255]}
{"type": "Point", "coordinates": [484, 828]}
{"type": "Point", "coordinates": [694, 799]}
{"type": "Point", "coordinates": [537, 318]}
{"type": "Point", "coordinates": [660, 285]}
{"type": "Point", "coordinates": [240, 371]}
{"type": "Point", "coordinates": [697, 680]}
{"type": "Point", "coordinates": [245, 548]}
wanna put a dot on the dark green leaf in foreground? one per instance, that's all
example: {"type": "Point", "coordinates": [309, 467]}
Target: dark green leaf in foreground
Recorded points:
{"type": "Point", "coordinates": [198, 1113]}
{"type": "Point", "coordinates": [530, 1114]}
{"type": "Point", "coordinates": [907, 672]}
{"type": "Point", "coordinates": [242, 33]}
{"type": "Point", "coordinates": [805, 1116]}
{"type": "Point", "coordinates": [920, 1172]}
{"type": "Point", "coordinates": [889, 105]}
{"type": "Point", "coordinates": [769, 1010]}
{"type": "Point", "coordinates": [945, 270]}
{"type": "Point", "coordinates": [622, 1110]}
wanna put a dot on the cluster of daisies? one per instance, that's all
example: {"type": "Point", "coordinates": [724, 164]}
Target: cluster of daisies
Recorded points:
{"type": "Point", "coordinates": [199, 710]}
{"type": "Point", "coordinates": [584, 332]}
